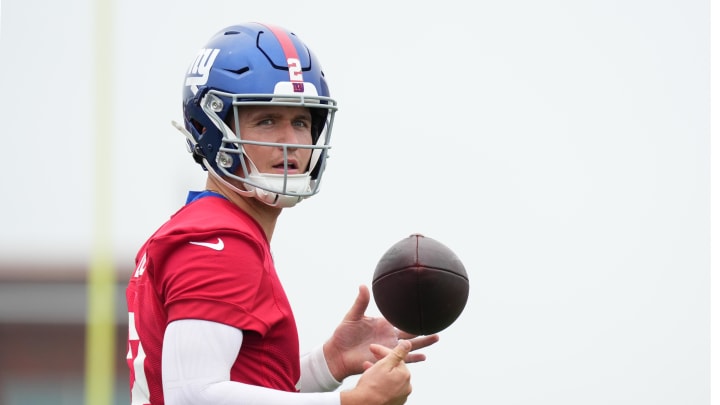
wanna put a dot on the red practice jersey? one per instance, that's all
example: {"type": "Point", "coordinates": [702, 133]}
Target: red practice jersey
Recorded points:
{"type": "Point", "coordinates": [210, 261]}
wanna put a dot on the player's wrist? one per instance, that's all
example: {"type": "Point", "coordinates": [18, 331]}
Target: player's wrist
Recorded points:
{"type": "Point", "coordinates": [335, 361]}
{"type": "Point", "coordinates": [354, 397]}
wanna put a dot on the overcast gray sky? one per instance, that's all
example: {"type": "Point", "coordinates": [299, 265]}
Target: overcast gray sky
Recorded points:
{"type": "Point", "coordinates": [560, 148]}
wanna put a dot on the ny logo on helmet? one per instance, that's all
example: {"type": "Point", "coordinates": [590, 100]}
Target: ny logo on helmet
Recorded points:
{"type": "Point", "coordinates": [197, 74]}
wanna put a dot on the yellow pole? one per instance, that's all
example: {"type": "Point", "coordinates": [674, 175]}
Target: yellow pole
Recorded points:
{"type": "Point", "coordinates": [100, 327]}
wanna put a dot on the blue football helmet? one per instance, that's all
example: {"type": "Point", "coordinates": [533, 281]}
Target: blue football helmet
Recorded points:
{"type": "Point", "coordinates": [255, 64]}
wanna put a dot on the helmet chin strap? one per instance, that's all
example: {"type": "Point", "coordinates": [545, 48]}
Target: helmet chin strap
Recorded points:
{"type": "Point", "coordinates": [296, 183]}
{"type": "Point", "coordinates": [260, 185]}
{"type": "Point", "coordinates": [268, 197]}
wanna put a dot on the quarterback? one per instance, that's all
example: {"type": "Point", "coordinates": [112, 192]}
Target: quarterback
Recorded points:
{"type": "Point", "coordinates": [209, 320]}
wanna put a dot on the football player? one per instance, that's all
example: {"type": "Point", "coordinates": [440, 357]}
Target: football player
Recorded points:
{"type": "Point", "coordinates": [209, 320]}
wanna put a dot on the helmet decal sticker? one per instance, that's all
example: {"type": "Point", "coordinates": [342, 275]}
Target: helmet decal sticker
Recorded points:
{"type": "Point", "coordinates": [295, 70]}
{"type": "Point", "coordinates": [291, 55]}
{"type": "Point", "coordinates": [199, 70]}
{"type": "Point", "coordinates": [299, 87]}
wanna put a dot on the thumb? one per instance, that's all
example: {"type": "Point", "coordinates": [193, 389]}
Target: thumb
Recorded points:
{"type": "Point", "coordinates": [394, 357]}
{"type": "Point", "coordinates": [360, 305]}
{"type": "Point", "coordinates": [401, 350]}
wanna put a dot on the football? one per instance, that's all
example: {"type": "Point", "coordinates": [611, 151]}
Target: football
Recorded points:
{"type": "Point", "coordinates": [420, 285]}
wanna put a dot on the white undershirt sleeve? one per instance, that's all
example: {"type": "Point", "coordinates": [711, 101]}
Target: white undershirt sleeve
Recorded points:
{"type": "Point", "coordinates": [315, 375]}
{"type": "Point", "coordinates": [196, 361]}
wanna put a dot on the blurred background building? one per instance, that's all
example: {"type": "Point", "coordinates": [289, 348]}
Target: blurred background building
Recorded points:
{"type": "Point", "coordinates": [42, 334]}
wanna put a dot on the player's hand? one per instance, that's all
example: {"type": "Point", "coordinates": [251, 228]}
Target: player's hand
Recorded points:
{"type": "Point", "coordinates": [349, 347]}
{"type": "Point", "coordinates": [386, 382]}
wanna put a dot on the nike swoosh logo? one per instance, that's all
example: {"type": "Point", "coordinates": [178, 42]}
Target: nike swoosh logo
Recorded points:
{"type": "Point", "coordinates": [219, 245]}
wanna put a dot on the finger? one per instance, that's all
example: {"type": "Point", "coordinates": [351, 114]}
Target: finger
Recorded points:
{"type": "Point", "coordinates": [419, 343]}
{"type": "Point", "coordinates": [423, 341]}
{"type": "Point", "coordinates": [357, 311]}
{"type": "Point", "coordinates": [415, 358]}
{"type": "Point", "coordinates": [379, 351]}
{"type": "Point", "coordinates": [406, 335]}
{"type": "Point", "coordinates": [392, 357]}
{"type": "Point", "coordinates": [401, 350]}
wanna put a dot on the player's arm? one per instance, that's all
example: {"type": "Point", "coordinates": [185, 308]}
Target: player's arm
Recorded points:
{"type": "Point", "coordinates": [196, 361]}
{"type": "Point", "coordinates": [315, 375]}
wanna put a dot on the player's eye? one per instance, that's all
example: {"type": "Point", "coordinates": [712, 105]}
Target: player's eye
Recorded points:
{"type": "Point", "coordinates": [304, 123]}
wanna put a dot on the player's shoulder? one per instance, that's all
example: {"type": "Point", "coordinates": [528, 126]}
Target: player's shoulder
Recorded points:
{"type": "Point", "coordinates": [213, 211]}
{"type": "Point", "coordinates": [210, 215]}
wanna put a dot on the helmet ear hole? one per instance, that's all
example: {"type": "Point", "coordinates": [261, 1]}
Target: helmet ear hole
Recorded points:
{"type": "Point", "coordinates": [198, 127]}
